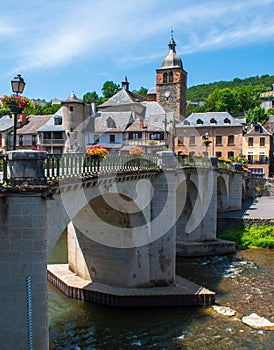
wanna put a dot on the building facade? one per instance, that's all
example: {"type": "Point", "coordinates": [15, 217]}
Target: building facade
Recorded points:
{"type": "Point", "coordinates": [257, 145]}
{"type": "Point", "coordinates": [224, 133]}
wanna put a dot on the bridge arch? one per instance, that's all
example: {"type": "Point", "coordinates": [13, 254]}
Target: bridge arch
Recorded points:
{"type": "Point", "coordinates": [189, 209]}
{"type": "Point", "coordinates": [222, 193]}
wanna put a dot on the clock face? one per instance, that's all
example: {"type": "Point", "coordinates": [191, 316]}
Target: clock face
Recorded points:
{"type": "Point", "coordinates": [166, 94]}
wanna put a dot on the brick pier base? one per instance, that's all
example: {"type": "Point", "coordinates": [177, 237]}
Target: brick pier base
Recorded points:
{"type": "Point", "coordinates": [184, 293]}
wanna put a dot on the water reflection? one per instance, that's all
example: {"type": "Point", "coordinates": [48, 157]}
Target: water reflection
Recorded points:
{"type": "Point", "coordinates": [243, 281]}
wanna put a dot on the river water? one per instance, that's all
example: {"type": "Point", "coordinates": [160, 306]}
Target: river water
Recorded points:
{"type": "Point", "coordinates": [243, 281]}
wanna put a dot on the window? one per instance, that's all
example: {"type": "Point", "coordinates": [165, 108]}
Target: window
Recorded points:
{"type": "Point", "coordinates": [135, 135]}
{"type": "Point", "coordinates": [262, 158]}
{"type": "Point", "coordinates": [180, 140]}
{"type": "Point", "coordinates": [199, 121]}
{"type": "Point", "coordinates": [213, 121]}
{"type": "Point", "coordinates": [58, 135]}
{"type": "Point", "coordinates": [230, 140]}
{"type": "Point", "coordinates": [230, 154]}
{"type": "Point", "coordinates": [250, 158]}
{"type": "Point", "coordinates": [227, 121]}
{"type": "Point", "coordinates": [71, 108]}
{"type": "Point", "coordinates": [47, 135]}
{"type": "Point", "coordinates": [33, 140]}
{"type": "Point", "coordinates": [218, 154]}
{"type": "Point", "coordinates": [71, 129]}
{"type": "Point", "coordinates": [218, 140]}
{"type": "Point", "coordinates": [57, 120]}
{"type": "Point", "coordinates": [112, 138]}
{"type": "Point", "coordinates": [111, 123]}
{"type": "Point", "coordinates": [192, 140]}
{"type": "Point", "coordinates": [262, 141]}
{"type": "Point", "coordinates": [157, 136]}
{"type": "Point", "coordinates": [186, 122]}
{"type": "Point", "coordinates": [21, 141]}
{"type": "Point", "coordinates": [250, 141]}
{"type": "Point", "coordinates": [165, 78]}
{"type": "Point", "coordinates": [170, 77]}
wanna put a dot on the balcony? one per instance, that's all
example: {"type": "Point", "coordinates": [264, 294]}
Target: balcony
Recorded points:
{"type": "Point", "coordinates": [52, 142]}
{"type": "Point", "coordinates": [142, 142]}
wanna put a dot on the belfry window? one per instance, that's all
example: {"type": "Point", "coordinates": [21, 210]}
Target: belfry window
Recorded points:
{"type": "Point", "coordinates": [165, 77]}
{"type": "Point", "coordinates": [170, 75]}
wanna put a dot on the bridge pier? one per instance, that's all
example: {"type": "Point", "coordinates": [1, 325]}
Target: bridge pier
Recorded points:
{"type": "Point", "coordinates": [23, 261]}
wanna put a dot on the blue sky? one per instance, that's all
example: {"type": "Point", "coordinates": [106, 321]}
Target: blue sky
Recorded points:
{"type": "Point", "coordinates": [60, 46]}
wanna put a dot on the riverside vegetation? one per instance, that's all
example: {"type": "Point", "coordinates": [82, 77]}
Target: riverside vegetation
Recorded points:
{"type": "Point", "coordinates": [255, 236]}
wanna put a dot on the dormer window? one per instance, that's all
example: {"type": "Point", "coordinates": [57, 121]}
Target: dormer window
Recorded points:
{"type": "Point", "coordinates": [186, 122]}
{"type": "Point", "coordinates": [213, 121]}
{"type": "Point", "coordinates": [258, 128]}
{"type": "Point", "coordinates": [227, 121]}
{"type": "Point", "coordinates": [57, 120]}
{"type": "Point", "coordinates": [199, 121]}
{"type": "Point", "coordinates": [111, 123]}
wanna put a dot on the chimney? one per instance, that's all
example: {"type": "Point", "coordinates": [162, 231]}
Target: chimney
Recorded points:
{"type": "Point", "coordinates": [93, 109]}
{"type": "Point", "coordinates": [125, 84]}
{"type": "Point", "coordinates": [22, 119]}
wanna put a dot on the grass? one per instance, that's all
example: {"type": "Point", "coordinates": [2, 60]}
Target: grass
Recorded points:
{"type": "Point", "coordinates": [254, 236]}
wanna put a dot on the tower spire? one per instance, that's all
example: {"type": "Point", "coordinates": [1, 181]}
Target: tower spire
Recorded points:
{"type": "Point", "coordinates": [172, 43]}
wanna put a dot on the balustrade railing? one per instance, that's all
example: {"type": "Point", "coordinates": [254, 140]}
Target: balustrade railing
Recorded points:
{"type": "Point", "coordinates": [59, 166]}
{"type": "Point", "coordinates": [78, 164]}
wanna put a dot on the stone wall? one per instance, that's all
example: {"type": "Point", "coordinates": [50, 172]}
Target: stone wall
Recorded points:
{"type": "Point", "coordinates": [23, 255]}
{"type": "Point", "coordinates": [228, 224]}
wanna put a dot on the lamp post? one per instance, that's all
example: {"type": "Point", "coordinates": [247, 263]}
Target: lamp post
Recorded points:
{"type": "Point", "coordinates": [17, 85]}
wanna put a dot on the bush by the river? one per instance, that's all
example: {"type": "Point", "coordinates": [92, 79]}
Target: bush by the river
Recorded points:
{"type": "Point", "coordinates": [254, 236]}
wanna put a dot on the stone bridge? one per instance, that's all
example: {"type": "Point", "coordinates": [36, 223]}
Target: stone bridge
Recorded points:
{"type": "Point", "coordinates": [124, 229]}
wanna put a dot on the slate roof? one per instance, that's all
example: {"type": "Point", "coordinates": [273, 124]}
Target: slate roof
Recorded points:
{"type": "Point", "coordinates": [5, 123]}
{"type": "Point", "coordinates": [34, 122]}
{"type": "Point", "coordinates": [122, 97]}
{"type": "Point", "coordinates": [223, 119]}
{"type": "Point", "coordinates": [121, 119]}
{"type": "Point", "coordinates": [257, 129]}
{"type": "Point", "coordinates": [49, 125]}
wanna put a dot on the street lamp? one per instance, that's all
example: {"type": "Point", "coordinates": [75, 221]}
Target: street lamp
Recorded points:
{"type": "Point", "coordinates": [17, 85]}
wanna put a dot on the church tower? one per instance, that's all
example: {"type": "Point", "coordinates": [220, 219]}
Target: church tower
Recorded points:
{"type": "Point", "coordinates": [171, 83]}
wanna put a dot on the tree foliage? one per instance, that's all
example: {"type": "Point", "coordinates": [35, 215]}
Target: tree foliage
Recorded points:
{"type": "Point", "coordinates": [91, 97]}
{"type": "Point", "coordinates": [201, 92]}
{"type": "Point", "coordinates": [47, 109]}
{"type": "Point", "coordinates": [143, 91]}
{"type": "Point", "coordinates": [109, 89]}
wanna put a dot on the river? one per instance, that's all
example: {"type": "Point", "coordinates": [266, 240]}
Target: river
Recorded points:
{"type": "Point", "coordinates": [243, 281]}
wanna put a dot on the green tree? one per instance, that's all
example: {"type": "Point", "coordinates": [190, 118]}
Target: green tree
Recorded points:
{"type": "Point", "coordinates": [142, 91]}
{"type": "Point", "coordinates": [91, 97]}
{"type": "Point", "coordinates": [247, 97]}
{"type": "Point", "coordinates": [210, 103]}
{"type": "Point", "coordinates": [47, 109]}
{"type": "Point", "coordinates": [256, 115]}
{"type": "Point", "coordinates": [226, 101]}
{"type": "Point", "coordinates": [109, 89]}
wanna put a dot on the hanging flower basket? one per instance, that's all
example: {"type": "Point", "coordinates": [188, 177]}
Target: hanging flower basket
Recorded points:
{"type": "Point", "coordinates": [97, 152]}
{"type": "Point", "coordinates": [16, 104]}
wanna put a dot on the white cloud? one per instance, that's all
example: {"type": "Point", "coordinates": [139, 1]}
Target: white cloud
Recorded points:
{"type": "Point", "coordinates": [66, 31]}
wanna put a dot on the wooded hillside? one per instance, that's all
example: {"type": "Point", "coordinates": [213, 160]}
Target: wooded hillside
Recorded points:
{"type": "Point", "coordinates": [201, 92]}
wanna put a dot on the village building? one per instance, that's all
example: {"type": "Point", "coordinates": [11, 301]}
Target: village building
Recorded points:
{"type": "Point", "coordinates": [223, 132]}
{"type": "Point", "coordinates": [257, 145]}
